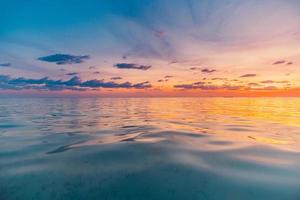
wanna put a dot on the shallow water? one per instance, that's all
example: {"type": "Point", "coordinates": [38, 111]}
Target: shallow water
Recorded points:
{"type": "Point", "coordinates": [150, 148]}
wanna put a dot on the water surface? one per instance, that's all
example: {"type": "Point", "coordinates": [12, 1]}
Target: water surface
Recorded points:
{"type": "Point", "coordinates": [150, 148]}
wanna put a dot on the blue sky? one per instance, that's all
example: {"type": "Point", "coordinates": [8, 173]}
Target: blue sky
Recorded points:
{"type": "Point", "coordinates": [231, 38]}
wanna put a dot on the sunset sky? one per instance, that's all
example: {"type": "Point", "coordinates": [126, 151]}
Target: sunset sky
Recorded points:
{"type": "Point", "coordinates": [150, 47]}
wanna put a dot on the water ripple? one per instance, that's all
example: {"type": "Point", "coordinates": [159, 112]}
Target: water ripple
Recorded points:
{"type": "Point", "coordinates": [169, 148]}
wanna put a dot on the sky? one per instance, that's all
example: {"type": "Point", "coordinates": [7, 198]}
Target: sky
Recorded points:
{"type": "Point", "coordinates": [150, 47]}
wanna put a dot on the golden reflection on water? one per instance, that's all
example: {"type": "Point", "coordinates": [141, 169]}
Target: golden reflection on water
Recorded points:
{"type": "Point", "coordinates": [273, 121]}
{"type": "Point", "coordinates": [285, 111]}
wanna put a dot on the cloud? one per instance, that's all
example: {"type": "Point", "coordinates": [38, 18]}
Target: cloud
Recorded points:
{"type": "Point", "coordinates": [61, 59]}
{"type": "Point", "coordinates": [96, 72]}
{"type": "Point", "coordinates": [282, 62]}
{"type": "Point", "coordinates": [271, 81]}
{"type": "Point", "coordinates": [168, 76]}
{"type": "Point", "coordinates": [195, 68]}
{"type": "Point", "coordinates": [142, 85]}
{"type": "Point", "coordinates": [116, 78]}
{"type": "Point", "coordinates": [247, 75]}
{"type": "Point", "coordinates": [218, 78]}
{"type": "Point", "coordinates": [74, 83]}
{"type": "Point", "coordinates": [267, 81]}
{"type": "Point", "coordinates": [279, 62]}
{"type": "Point", "coordinates": [207, 87]}
{"type": "Point", "coordinates": [282, 82]}
{"type": "Point", "coordinates": [5, 64]}
{"type": "Point", "coordinates": [25, 81]}
{"type": "Point", "coordinates": [72, 74]}
{"type": "Point", "coordinates": [201, 85]}
{"type": "Point", "coordinates": [132, 66]}
{"type": "Point", "coordinates": [101, 84]}
{"type": "Point", "coordinates": [205, 70]}
{"type": "Point", "coordinates": [254, 84]}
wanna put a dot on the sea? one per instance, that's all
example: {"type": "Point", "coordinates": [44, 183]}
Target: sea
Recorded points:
{"type": "Point", "coordinates": [63, 148]}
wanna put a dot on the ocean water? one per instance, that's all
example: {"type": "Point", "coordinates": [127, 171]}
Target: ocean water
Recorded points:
{"type": "Point", "coordinates": [150, 148]}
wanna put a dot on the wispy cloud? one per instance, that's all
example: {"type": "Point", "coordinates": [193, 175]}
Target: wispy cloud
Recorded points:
{"type": "Point", "coordinates": [5, 64]}
{"type": "Point", "coordinates": [71, 74]}
{"type": "Point", "coordinates": [279, 62]}
{"type": "Point", "coordinates": [253, 84]}
{"type": "Point", "coordinates": [267, 81]}
{"type": "Point", "coordinates": [218, 78]}
{"type": "Point", "coordinates": [132, 66]}
{"type": "Point", "coordinates": [202, 86]}
{"type": "Point", "coordinates": [116, 78]}
{"type": "Point", "coordinates": [271, 81]}
{"type": "Point", "coordinates": [203, 70]}
{"type": "Point", "coordinates": [61, 59]}
{"type": "Point", "coordinates": [206, 70]}
{"type": "Point", "coordinates": [247, 75]}
{"type": "Point", "coordinates": [195, 68]}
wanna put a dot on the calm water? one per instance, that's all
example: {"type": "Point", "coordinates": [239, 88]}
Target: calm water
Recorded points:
{"type": "Point", "coordinates": [164, 148]}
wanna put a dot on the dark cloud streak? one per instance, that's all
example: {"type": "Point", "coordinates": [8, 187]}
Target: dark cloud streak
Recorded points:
{"type": "Point", "coordinates": [247, 75]}
{"type": "Point", "coordinates": [5, 64]}
{"type": "Point", "coordinates": [132, 66]}
{"type": "Point", "coordinates": [116, 78]}
{"type": "Point", "coordinates": [205, 70]}
{"type": "Point", "coordinates": [72, 74]}
{"type": "Point", "coordinates": [75, 83]}
{"type": "Point", "coordinates": [279, 62]}
{"type": "Point", "coordinates": [62, 59]}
